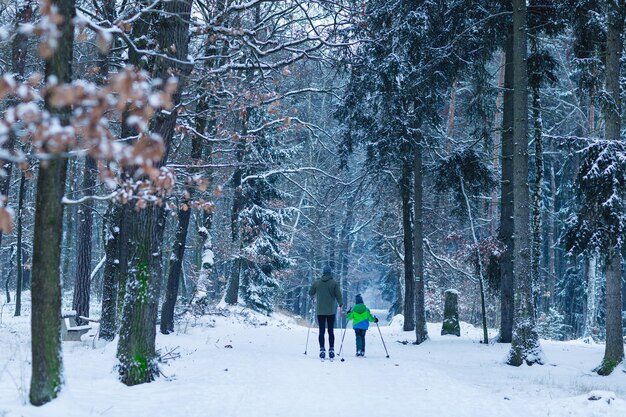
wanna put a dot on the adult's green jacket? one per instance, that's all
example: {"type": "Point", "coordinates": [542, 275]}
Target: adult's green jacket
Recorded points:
{"type": "Point", "coordinates": [328, 295]}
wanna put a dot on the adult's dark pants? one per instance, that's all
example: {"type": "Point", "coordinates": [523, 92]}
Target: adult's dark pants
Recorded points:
{"type": "Point", "coordinates": [326, 322]}
{"type": "Point", "coordinates": [360, 339]}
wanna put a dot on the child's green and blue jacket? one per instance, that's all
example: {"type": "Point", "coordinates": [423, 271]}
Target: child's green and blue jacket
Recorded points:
{"type": "Point", "coordinates": [360, 316]}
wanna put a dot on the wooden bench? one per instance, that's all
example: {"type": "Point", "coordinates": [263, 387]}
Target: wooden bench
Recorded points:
{"type": "Point", "coordinates": [70, 331]}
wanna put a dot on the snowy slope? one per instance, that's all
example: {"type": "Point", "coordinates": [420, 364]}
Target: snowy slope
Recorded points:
{"type": "Point", "coordinates": [246, 366]}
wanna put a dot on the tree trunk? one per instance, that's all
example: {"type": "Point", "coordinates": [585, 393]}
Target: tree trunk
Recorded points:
{"type": "Point", "coordinates": [344, 250]}
{"type": "Point", "coordinates": [69, 234]}
{"type": "Point", "coordinates": [232, 292]}
{"type": "Point", "coordinates": [7, 280]}
{"type": "Point", "coordinates": [551, 237]}
{"type": "Point", "coordinates": [421, 331]}
{"type": "Point", "coordinates": [481, 276]}
{"type": "Point", "coordinates": [175, 270]}
{"type": "Point", "coordinates": [136, 348]}
{"type": "Point", "coordinates": [206, 125]}
{"type": "Point", "coordinates": [537, 206]}
{"type": "Point", "coordinates": [178, 253]}
{"type": "Point", "coordinates": [525, 345]}
{"type": "Point", "coordinates": [47, 365]}
{"type": "Point", "coordinates": [20, 261]}
{"type": "Point", "coordinates": [497, 141]}
{"type": "Point", "coordinates": [108, 319]}
{"type": "Point", "coordinates": [407, 228]}
{"type": "Point", "coordinates": [614, 348]}
{"type": "Point", "coordinates": [591, 322]}
{"type": "Point", "coordinates": [506, 202]}
{"type": "Point", "coordinates": [82, 283]}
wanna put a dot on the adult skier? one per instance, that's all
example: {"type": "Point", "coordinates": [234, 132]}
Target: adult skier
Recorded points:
{"type": "Point", "coordinates": [328, 294]}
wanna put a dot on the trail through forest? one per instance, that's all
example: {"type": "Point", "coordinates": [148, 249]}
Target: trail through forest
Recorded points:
{"type": "Point", "coordinates": [245, 364]}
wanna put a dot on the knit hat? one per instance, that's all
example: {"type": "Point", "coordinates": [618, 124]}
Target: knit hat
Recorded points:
{"type": "Point", "coordinates": [358, 299]}
{"type": "Point", "coordinates": [326, 270]}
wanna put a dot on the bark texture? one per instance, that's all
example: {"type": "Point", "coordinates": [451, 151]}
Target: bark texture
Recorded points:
{"type": "Point", "coordinates": [506, 202]}
{"type": "Point", "coordinates": [525, 347]}
{"type": "Point", "coordinates": [614, 348]}
{"type": "Point", "coordinates": [421, 332]}
{"type": "Point", "coordinates": [47, 365]}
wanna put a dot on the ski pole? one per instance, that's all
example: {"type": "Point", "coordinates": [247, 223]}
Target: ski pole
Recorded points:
{"type": "Point", "coordinates": [383, 340]}
{"type": "Point", "coordinates": [307, 336]}
{"type": "Point", "coordinates": [341, 347]}
{"type": "Point", "coordinates": [343, 337]}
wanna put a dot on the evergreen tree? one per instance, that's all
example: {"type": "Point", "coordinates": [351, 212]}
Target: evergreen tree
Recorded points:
{"type": "Point", "coordinates": [261, 222]}
{"type": "Point", "coordinates": [601, 185]}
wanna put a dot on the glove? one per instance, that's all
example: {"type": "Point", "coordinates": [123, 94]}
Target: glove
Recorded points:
{"type": "Point", "coordinates": [375, 319]}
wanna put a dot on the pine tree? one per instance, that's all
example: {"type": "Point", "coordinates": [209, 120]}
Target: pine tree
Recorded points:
{"type": "Point", "coordinates": [261, 221]}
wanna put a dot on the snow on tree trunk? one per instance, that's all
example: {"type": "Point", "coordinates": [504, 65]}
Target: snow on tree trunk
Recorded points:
{"type": "Point", "coordinates": [537, 204]}
{"type": "Point", "coordinates": [525, 346]}
{"type": "Point", "coordinates": [590, 331]}
{"type": "Point", "coordinates": [506, 201]}
{"type": "Point", "coordinates": [47, 364]}
{"type": "Point", "coordinates": [451, 314]}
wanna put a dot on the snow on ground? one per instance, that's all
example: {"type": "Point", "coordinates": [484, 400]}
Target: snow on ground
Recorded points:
{"type": "Point", "coordinates": [248, 365]}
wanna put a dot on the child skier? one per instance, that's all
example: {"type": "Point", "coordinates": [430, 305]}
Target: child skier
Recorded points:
{"type": "Point", "coordinates": [361, 317]}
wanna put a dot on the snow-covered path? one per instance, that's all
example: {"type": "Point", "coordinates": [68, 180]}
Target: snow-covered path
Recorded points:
{"type": "Point", "coordinates": [248, 367]}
